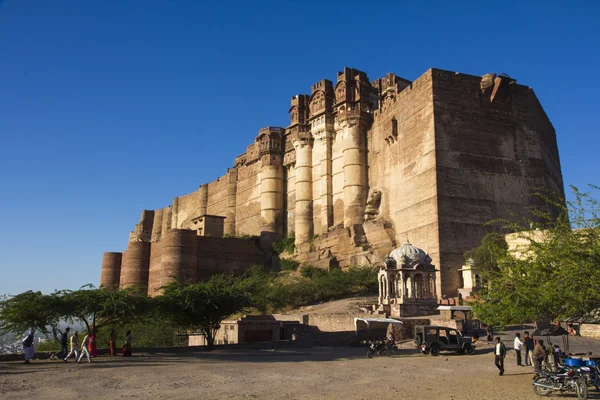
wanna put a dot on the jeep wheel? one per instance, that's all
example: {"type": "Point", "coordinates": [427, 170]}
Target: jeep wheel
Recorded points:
{"type": "Point", "coordinates": [461, 351]}
{"type": "Point", "coordinates": [418, 339]}
{"type": "Point", "coordinates": [470, 350]}
{"type": "Point", "coordinates": [435, 351]}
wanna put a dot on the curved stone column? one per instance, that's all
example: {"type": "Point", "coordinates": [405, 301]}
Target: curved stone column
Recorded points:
{"type": "Point", "coordinates": [271, 199]}
{"type": "Point", "coordinates": [155, 269]}
{"type": "Point", "coordinates": [157, 225]}
{"type": "Point", "coordinates": [135, 270]}
{"type": "Point", "coordinates": [178, 256]}
{"type": "Point", "coordinates": [303, 223]}
{"type": "Point", "coordinates": [203, 192]}
{"type": "Point", "coordinates": [111, 270]}
{"type": "Point", "coordinates": [356, 187]}
{"type": "Point", "coordinates": [229, 224]}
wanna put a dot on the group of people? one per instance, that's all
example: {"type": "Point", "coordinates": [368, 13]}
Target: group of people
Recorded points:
{"type": "Point", "coordinates": [70, 346]}
{"type": "Point", "coordinates": [536, 353]}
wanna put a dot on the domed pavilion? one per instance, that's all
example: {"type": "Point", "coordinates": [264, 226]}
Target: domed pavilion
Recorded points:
{"type": "Point", "coordinates": [407, 283]}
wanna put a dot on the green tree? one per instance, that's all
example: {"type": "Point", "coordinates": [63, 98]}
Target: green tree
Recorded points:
{"type": "Point", "coordinates": [30, 310]}
{"type": "Point", "coordinates": [557, 276]}
{"type": "Point", "coordinates": [96, 308]}
{"type": "Point", "coordinates": [202, 306]}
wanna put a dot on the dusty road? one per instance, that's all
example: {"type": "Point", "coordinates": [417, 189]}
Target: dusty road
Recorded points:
{"type": "Point", "coordinates": [312, 373]}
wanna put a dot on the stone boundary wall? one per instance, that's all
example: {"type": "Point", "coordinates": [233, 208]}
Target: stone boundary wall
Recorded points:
{"type": "Point", "coordinates": [590, 330]}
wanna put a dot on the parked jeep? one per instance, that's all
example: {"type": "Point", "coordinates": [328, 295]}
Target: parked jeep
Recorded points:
{"type": "Point", "coordinates": [433, 339]}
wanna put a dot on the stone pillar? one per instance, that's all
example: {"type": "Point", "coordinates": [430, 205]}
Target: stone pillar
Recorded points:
{"type": "Point", "coordinates": [203, 200]}
{"type": "Point", "coordinates": [322, 150]}
{"type": "Point", "coordinates": [356, 187]}
{"type": "Point", "coordinates": [167, 219]}
{"type": "Point", "coordinates": [174, 212]}
{"type": "Point", "coordinates": [135, 270]}
{"type": "Point", "coordinates": [271, 199]}
{"type": "Point", "coordinates": [178, 256]}
{"type": "Point", "coordinates": [155, 269]}
{"type": "Point", "coordinates": [111, 270]}
{"type": "Point", "coordinates": [157, 225]}
{"type": "Point", "coordinates": [229, 227]}
{"type": "Point", "coordinates": [303, 224]}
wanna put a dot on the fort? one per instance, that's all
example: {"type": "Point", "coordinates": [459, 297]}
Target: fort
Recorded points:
{"type": "Point", "coordinates": [362, 167]}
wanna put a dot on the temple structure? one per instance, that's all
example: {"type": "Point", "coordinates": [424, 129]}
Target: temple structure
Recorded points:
{"type": "Point", "coordinates": [407, 283]}
{"type": "Point", "coordinates": [362, 165]}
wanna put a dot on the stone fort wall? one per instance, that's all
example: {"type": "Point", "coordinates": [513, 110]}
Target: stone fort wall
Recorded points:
{"type": "Point", "coordinates": [365, 165]}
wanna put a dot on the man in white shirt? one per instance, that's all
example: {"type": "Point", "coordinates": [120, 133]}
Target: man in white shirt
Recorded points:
{"type": "Point", "coordinates": [517, 346]}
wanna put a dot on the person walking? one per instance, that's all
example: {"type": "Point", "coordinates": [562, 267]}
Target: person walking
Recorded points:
{"type": "Point", "coordinates": [64, 344]}
{"type": "Point", "coordinates": [28, 348]}
{"type": "Point", "coordinates": [556, 352]}
{"type": "Point", "coordinates": [499, 354]}
{"type": "Point", "coordinates": [112, 343]}
{"type": "Point", "coordinates": [490, 333]}
{"type": "Point", "coordinates": [92, 344]}
{"type": "Point", "coordinates": [127, 350]}
{"type": "Point", "coordinates": [529, 345]}
{"type": "Point", "coordinates": [84, 349]}
{"type": "Point", "coordinates": [517, 346]}
{"type": "Point", "coordinates": [74, 342]}
{"type": "Point", "coordinates": [539, 356]}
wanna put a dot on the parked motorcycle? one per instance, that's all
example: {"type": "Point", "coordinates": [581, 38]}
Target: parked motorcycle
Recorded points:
{"type": "Point", "coordinates": [381, 349]}
{"type": "Point", "coordinates": [569, 380]}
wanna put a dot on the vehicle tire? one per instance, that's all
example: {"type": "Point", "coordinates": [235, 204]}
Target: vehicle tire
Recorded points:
{"type": "Point", "coordinates": [435, 351]}
{"type": "Point", "coordinates": [370, 353]}
{"type": "Point", "coordinates": [470, 350]}
{"type": "Point", "coordinates": [418, 339]}
{"type": "Point", "coordinates": [581, 389]}
{"type": "Point", "coordinates": [541, 391]}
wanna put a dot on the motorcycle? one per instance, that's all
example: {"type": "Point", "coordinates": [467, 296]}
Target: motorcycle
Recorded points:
{"type": "Point", "coordinates": [381, 349]}
{"type": "Point", "coordinates": [569, 380]}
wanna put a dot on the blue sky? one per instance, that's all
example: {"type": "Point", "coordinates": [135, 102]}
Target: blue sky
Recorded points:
{"type": "Point", "coordinates": [111, 107]}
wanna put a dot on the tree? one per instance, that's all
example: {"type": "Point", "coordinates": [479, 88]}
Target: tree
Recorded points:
{"type": "Point", "coordinates": [202, 306]}
{"type": "Point", "coordinates": [30, 310]}
{"type": "Point", "coordinates": [557, 277]}
{"type": "Point", "coordinates": [96, 308]}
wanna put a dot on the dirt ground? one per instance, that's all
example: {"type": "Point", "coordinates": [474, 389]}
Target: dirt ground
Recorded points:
{"type": "Point", "coordinates": [303, 373]}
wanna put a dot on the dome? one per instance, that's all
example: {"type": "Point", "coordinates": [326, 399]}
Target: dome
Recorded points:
{"type": "Point", "coordinates": [407, 254]}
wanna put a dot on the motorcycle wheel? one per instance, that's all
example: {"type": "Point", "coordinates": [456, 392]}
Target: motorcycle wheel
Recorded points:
{"type": "Point", "coordinates": [370, 353]}
{"type": "Point", "coordinates": [581, 389]}
{"type": "Point", "coordinates": [542, 391]}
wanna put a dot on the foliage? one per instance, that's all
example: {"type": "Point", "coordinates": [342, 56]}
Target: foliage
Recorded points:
{"type": "Point", "coordinates": [30, 310]}
{"type": "Point", "coordinates": [48, 345]}
{"type": "Point", "coordinates": [286, 244]}
{"type": "Point", "coordinates": [153, 333]}
{"type": "Point", "coordinates": [202, 306]}
{"type": "Point", "coordinates": [485, 256]}
{"type": "Point", "coordinates": [96, 308]}
{"type": "Point", "coordinates": [288, 265]}
{"type": "Point", "coordinates": [314, 285]}
{"type": "Point", "coordinates": [558, 277]}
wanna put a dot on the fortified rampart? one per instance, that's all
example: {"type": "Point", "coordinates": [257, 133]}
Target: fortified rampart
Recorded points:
{"type": "Point", "coordinates": [363, 166]}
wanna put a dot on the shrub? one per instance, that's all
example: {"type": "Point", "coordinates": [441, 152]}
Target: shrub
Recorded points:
{"type": "Point", "coordinates": [286, 244]}
{"type": "Point", "coordinates": [288, 265]}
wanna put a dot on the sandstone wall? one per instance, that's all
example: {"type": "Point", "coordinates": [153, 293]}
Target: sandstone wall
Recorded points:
{"type": "Point", "coordinates": [402, 162]}
{"type": "Point", "coordinates": [221, 255]}
{"type": "Point", "coordinates": [490, 156]}
{"type": "Point", "coordinates": [248, 200]}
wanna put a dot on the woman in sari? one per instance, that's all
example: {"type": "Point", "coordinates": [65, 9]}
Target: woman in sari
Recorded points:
{"type": "Point", "coordinates": [112, 343]}
{"type": "Point", "coordinates": [92, 348]}
{"type": "Point", "coordinates": [127, 346]}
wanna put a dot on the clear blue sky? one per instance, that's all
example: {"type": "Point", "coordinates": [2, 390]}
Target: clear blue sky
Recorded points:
{"type": "Point", "coordinates": [111, 107]}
